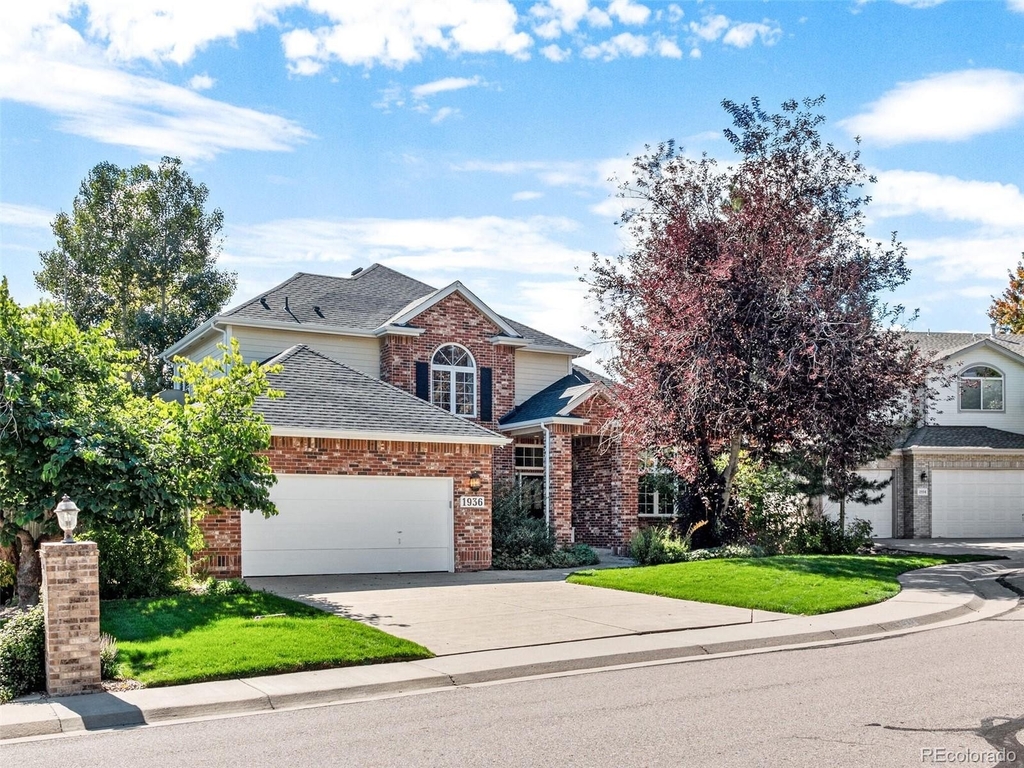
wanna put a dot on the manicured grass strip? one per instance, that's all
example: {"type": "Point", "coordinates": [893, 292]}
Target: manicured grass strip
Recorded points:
{"type": "Point", "coordinates": [799, 584]}
{"type": "Point", "coordinates": [191, 638]}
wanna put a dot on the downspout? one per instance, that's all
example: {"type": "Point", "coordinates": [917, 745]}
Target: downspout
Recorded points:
{"type": "Point", "coordinates": [547, 475]}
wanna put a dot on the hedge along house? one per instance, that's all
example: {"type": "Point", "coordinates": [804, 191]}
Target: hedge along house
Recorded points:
{"type": "Point", "coordinates": [404, 406]}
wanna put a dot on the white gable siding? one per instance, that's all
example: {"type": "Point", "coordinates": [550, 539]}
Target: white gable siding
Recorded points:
{"type": "Point", "coordinates": [357, 352]}
{"type": "Point", "coordinates": [536, 370]}
{"type": "Point", "coordinates": [944, 410]}
{"type": "Point", "coordinates": [205, 347]}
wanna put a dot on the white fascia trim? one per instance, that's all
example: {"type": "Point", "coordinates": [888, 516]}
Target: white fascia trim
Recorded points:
{"type": "Point", "coordinates": [508, 341]}
{"type": "Point", "coordinates": [926, 449]}
{"type": "Point", "coordinates": [283, 326]}
{"type": "Point", "coordinates": [396, 437]}
{"type": "Point", "coordinates": [986, 342]}
{"type": "Point", "coordinates": [395, 330]}
{"type": "Point", "coordinates": [444, 293]}
{"type": "Point", "coordinates": [194, 335]}
{"type": "Point", "coordinates": [584, 393]}
{"type": "Point", "coordinates": [516, 425]}
{"type": "Point", "coordinates": [549, 350]}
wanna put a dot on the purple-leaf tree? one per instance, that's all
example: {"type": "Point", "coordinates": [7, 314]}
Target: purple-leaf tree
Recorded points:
{"type": "Point", "coordinates": [746, 312]}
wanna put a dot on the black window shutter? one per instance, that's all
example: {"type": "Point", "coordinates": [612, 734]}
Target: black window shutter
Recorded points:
{"type": "Point", "coordinates": [423, 381]}
{"type": "Point", "coordinates": [485, 395]}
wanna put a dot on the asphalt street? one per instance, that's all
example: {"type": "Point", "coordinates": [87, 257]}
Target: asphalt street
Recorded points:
{"type": "Point", "coordinates": [950, 696]}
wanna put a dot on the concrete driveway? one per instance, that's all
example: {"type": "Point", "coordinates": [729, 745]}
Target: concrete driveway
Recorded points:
{"type": "Point", "coordinates": [453, 613]}
{"type": "Point", "coordinates": [1011, 548]}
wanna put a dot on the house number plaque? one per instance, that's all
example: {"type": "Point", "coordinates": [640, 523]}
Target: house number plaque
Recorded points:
{"type": "Point", "coordinates": [473, 502]}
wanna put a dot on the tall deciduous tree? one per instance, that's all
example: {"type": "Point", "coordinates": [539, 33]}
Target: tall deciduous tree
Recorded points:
{"type": "Point", "coordinates": [746, 312]}
{"type": "Point", "coordinates": [139, 251]}
{"type": "Point", "coordinates": [1007, 311]}
{"type": "Point", "coordinates": [70, 423]}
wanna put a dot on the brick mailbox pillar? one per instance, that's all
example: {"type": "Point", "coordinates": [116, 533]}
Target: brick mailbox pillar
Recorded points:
{"type": "Point", "coordinates": [71, 606]}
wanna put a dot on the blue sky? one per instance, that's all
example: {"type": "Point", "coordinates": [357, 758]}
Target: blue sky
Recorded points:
{"type": "Point", "coordinates": [473, 139]}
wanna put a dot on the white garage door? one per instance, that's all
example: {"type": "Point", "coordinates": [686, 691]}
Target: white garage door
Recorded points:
{"type": "Point", "coordinates": [977, 503]}
{"type": "Point", "coordinates": [879, 515]}
{"type": "Point", "coordinates": [331, 524]}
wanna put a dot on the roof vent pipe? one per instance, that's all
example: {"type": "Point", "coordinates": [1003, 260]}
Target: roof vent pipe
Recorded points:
{"type": "Point", "coordinates": [356, 271]}
{"type": "Point", "coordinates": [286, 308]}
{"type": "Point", "coordinates": [992, 328]}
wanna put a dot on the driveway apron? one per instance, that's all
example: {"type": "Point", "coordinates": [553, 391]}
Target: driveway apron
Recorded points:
{"type": "Point", "coordinates": [465, 612]}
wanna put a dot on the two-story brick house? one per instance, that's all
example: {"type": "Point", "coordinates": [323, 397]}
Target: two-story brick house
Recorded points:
{"type": "Point", "coordinates": [404, 405]}
{"type": "Point", "coordinates": [961, 474]}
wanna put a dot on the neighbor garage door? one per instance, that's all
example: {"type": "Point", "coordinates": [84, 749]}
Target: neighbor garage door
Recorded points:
{"type": "Point", "coordinates": [879, 515]}
{"type": "Point", "coordinates": [331, 524]}
{"type": "Point", "coordinates": [977, 503]}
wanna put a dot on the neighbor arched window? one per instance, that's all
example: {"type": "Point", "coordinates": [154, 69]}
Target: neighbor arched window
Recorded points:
{"type": "Point", "coordinates": [981, 389]}
{"type": "Point", "coordinates": [453, 380]}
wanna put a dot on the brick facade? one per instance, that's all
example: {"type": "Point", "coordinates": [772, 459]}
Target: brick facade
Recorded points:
{"type": "Point", "coordinates": [453, 321]}
{"type": "Point", "coordinates": [71, 606]}
{"type": "Point", "coordinates": [321, 456]}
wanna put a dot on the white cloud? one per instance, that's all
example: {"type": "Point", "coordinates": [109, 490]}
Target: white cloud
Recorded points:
{"type": "Point", "coordinates": [629, 12]}
{"type": "Point", "coordinates": [624, 44]}
{"type": "Point", "coordinates": [695, 53]}
{"type": "Point", "coordinates": [554, 53]}
{"type": "Point", "coordinates": [710, 28]}
{"type": "Point", "coordinates": [1016, 5]}
{"type": "Point", "coordinates": [48, 64]}
{"type": "Point", "coordinates": [444, 85]}
{"type": "Point", "coordinates": [555, 17]}
{"type": "Point", "coordinates": [452, 245]}
{"type": "Point", "coordinates": [987, 203]}
{"type": "Point", "coordinates": [743, 35]}
{"type": "Point", "coordinates": [27, 216]}
{"type": "Point", "coordinates": [443, 114]}
{"type": "Point", "coordinates": [396, 33]}
{"type": "Point", "coordinates": [201, 82]}
{"type": "Point", "coordinates": [527, 195]}
{"type": "Point", "coordinates": [949, 107]}
{"type": "Point", "coordinates": [951, 259]}
{"type": "Point", "coordinates": [674, 13]}
{"type": "Point", "coordinates": [668, 49]}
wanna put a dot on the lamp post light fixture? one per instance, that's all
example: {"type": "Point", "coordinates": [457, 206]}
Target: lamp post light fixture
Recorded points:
{"type": "Point", "coordinates": [67, 516]}
{"type": "Point", "coordinates": [474, 480]}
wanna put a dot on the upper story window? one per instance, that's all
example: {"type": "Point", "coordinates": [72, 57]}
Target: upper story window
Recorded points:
{"type": "Point", "coordinates": [453, 380]}
{"type": "Point", "coordinates": [981, 389]}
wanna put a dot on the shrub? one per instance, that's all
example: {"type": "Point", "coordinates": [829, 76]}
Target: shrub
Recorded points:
{"type": "Point", "coordinates": [22, 655]}
{"type": "Point", "coordinates": [110, 664]}
{"type": "Point", "coordinates": [821, 535]}
{"type": "Point", "coordinates": [659, 544]}
{"type": "Point", "coordinates": [211, 586]}
{"type": "Point", "coordinates": [136, 562]}
{"type": "Point", "coordinates": [515, 534]}
{"type": "Point", "coordinates": [728, 551]}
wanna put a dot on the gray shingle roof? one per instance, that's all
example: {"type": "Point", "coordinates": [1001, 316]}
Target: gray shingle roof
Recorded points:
{"type": "Point", "coordinates": [323, 394]}
{"type": "Point", "coordinates": [963, 437]}
{"type": "Point", "coordinates": [362, 302]}
{"type": "Point", "coordinates": [942, 342]}
{"type": "Point", "coordinates": [549, 401]}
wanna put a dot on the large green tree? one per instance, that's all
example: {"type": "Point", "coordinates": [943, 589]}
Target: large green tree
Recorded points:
{"type": "Point", "coordinates": [139, 251]}
{"type": "Point", "coordinates": [71, 424]}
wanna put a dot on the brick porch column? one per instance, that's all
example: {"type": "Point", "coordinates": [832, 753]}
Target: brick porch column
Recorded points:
{"type": "Point", "coordinates": [71, 607]}
{"type": "Point", "coordinates": [560, 492]}
{"type": "Point", "coordinates": [629, 484]}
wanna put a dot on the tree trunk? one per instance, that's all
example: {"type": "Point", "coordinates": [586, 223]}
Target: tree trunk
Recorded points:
{"type": "Point", "coordinates": [30, 571]}
{"type": "Point", "coordinates": [842, 513]}
{"type": "Point", "coordinates": [730, 471]}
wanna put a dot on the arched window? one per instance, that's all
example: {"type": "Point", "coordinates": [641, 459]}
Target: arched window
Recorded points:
{"type": "Point", "coordinates": [981, 389]}
{"type": "Point", "coordinates": [453, 380]}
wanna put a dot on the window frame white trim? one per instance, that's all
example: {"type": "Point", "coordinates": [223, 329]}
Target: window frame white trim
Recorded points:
{"type": "Point", "coordinates": [981, 392]}
{"type": "Point", "coordinates": [453, 369]}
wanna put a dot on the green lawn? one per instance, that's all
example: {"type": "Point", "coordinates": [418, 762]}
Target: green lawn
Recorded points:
{"type": "Point", "coordinates": [191, 638]}
{"type": "Point", "coordinates": [800, 584]}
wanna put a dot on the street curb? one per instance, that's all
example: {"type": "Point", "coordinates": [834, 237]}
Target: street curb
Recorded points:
{"type": "Point", "coordinates": [34, 717]}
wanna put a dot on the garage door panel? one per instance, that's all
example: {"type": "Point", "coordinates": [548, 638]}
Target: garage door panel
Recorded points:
{"type": "Point", "coordinates": [977, 503]}
{"type": "Point", "coordinates": [347, 524]}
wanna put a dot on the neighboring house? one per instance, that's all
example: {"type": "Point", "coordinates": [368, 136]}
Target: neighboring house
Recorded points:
{"type": "Point", "coordinates": [961, 475]}
{"type": "Point", "coordinates": [404, 405]}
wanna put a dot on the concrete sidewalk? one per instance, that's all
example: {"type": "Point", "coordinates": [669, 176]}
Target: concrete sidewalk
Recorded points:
{"type": "Point", "coordinates": [934, 597]}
